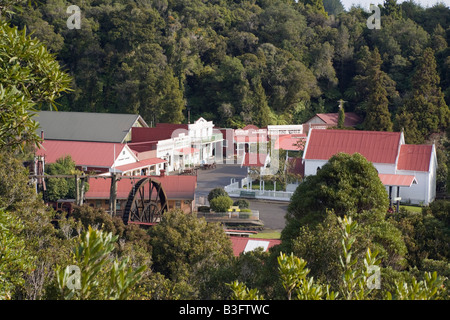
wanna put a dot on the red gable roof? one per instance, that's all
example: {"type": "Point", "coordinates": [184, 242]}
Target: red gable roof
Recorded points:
{"type": "Point", "coordinates": [99, 154]}
{"type": "Point", "coordinates": [375, 146]}
{"type": "Point", "coordinates": [414, 157]}
{"type": "Point", "coordinates": [175, 187]}
{"type": "Point", "coordinates": [351, 119]}
{"type": "Point", "coordinates": [397, 180]}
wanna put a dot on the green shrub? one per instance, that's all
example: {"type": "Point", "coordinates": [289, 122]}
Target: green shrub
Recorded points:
{"type": "Point", "coordinates": [203, 209]}
{"type": "Point", "coordinates": [242, 204]}
{"type": "Point", "coordinates": [217, 192]}
{"type": "Point", "coordinates": [245, 214]}
{"type": "Point", "coordinates": [221, 203]}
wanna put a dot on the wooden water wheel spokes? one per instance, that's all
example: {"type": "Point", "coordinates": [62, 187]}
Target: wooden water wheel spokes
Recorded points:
{"type": "Point", "coordinates": [146, 203]}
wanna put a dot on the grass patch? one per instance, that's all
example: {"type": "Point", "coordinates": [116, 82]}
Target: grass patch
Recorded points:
{"type": "Point", "coordinates": [412, 208]}
{"type": "Point", "coordinates": [267, 234]}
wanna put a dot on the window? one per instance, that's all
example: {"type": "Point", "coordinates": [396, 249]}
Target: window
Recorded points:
{"type": "Point", "coordinates": [178, 204]}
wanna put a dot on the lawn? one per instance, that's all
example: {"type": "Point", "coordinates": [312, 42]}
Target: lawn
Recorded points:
{"type": "Point", "coordinates": [412, 208]}
{"type": "Point", "coordinates": [266, 234]}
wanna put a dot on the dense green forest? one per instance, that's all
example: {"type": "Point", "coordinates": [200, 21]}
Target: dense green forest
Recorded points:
{"type": "Point", "coordinates": [235, 62]}
{"type": "Point", "coordinates": [252, 61]}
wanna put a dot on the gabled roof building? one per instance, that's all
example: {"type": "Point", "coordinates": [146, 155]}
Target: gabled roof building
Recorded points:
{"type": "Point", "coordinates": [410, 167]}
{"type": "Point", "coordinates": [102, 157]}
{"type": "Point", "coordinates": [180, 191]}
{"type": "Point", "coordinates": [331, 119]}
{"type": "Point", "coordinates": [88, 126]}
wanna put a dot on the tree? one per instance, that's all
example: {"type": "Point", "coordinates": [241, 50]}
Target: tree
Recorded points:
{"type": "Point", "coordinates": [346, 183]}
{"type": "Point", "coordinates": [63, 188]}
{"type": "Point", "coordinates": [317, 5]}
{"type": "Point", "coordinates": [333, 7]}
{"type": "Point", "coordinates": [15, 260]}
{"type": "Point", "coordinates": [189, 250]}
{"type": "Point", "coordinates": [426, 111]}
{"type": "Point", "coordinates": [378, 117]}
{"type": "Point", "coordinates": [216, 192]}
{"type": "Point", "coordinates": [31, 78]}
{"type": "Point", "coordinates": [392, 9]}
{"type": "Point", "coordinates": [358, 281]}
{"type": "Point", "coordinates": [97, 280]}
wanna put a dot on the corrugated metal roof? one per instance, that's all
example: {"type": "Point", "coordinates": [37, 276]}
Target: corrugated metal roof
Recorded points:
{"type": "Point", "coordinates": [375, 146]}
{"type": "Point", "coordinates": [351, 119]}
{"type": "Point", "coordinates": [175, 187]}
{"type": "Point", "coordinates": [86, 126]}
{"type": "Point", "coordinates": [415, 157]}
{"type": "Point", "coordinates": [96, 154]}
{"type": "Point", "coordinates": [397, 180]}
{"type": "Point", "coordinates": [242, 244]}
{"type": "Point", "coordinates": [290, 142]}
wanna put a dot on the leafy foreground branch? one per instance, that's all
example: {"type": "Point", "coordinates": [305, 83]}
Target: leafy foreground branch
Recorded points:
{"type": "Point", "coordinates": [96, 275]}
{"type": "Point", "coordinates": [357, 283]}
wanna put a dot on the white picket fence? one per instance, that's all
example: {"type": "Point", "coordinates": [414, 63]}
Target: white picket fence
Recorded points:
{"type": "Point", "coordinates": [235, 190]}
{"type": "Point", "coordinates": [253, 215]}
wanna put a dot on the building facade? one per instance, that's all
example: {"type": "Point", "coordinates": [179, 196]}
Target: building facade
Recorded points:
{"type": "Point", "coordinates": [388, 153]}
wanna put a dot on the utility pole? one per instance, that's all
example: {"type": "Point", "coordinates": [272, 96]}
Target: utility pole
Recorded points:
{"type": "Point", "coordinates": [79, 183]}
{"type": "Point", "coordinates": [113, 194]}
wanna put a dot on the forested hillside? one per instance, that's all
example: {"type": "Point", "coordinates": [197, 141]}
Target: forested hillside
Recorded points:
{"type": "Point", "coordinates": [252, 61]}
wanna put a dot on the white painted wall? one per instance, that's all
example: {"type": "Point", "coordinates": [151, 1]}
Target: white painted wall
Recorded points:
{"type": "Point", "coordinates": [126, 156]}
{"type": "Point", "coordinates": [417, 193]}
{"type": "Point", "coordinates": [312, 165]}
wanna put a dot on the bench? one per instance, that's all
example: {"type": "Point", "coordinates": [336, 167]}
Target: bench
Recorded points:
{"type": "Point", "coordinates": [248, 194]}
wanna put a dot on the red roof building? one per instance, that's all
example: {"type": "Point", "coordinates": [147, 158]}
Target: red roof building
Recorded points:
{"type": "Point", "coordinates": [375, 146]}
{"type": "Point", "coordinates": [100, 157]}
{"type": "Point", "coordinates": [411, 167]}
{"type": "Point", "coordinates": [180, 191]}
{"type": "Point", "coordinates": [415, 157]}
{"type": "Point", "coordinates": [243, 244]}
{"type": "Point", "coordinates": [83, 153]}
{"type": "Point", "coordinates": [331, 119]}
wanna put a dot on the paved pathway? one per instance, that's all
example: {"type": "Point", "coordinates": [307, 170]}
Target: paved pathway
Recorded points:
{"type": "Point", "coordinates": [270, 212]}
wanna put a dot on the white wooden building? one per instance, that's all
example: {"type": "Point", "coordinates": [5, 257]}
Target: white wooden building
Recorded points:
{"type": "Point", "coordinates": [389, 154]}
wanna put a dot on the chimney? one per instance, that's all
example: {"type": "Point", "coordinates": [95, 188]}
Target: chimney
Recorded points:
{"type": "Point", "coordinates": [42, 135]}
